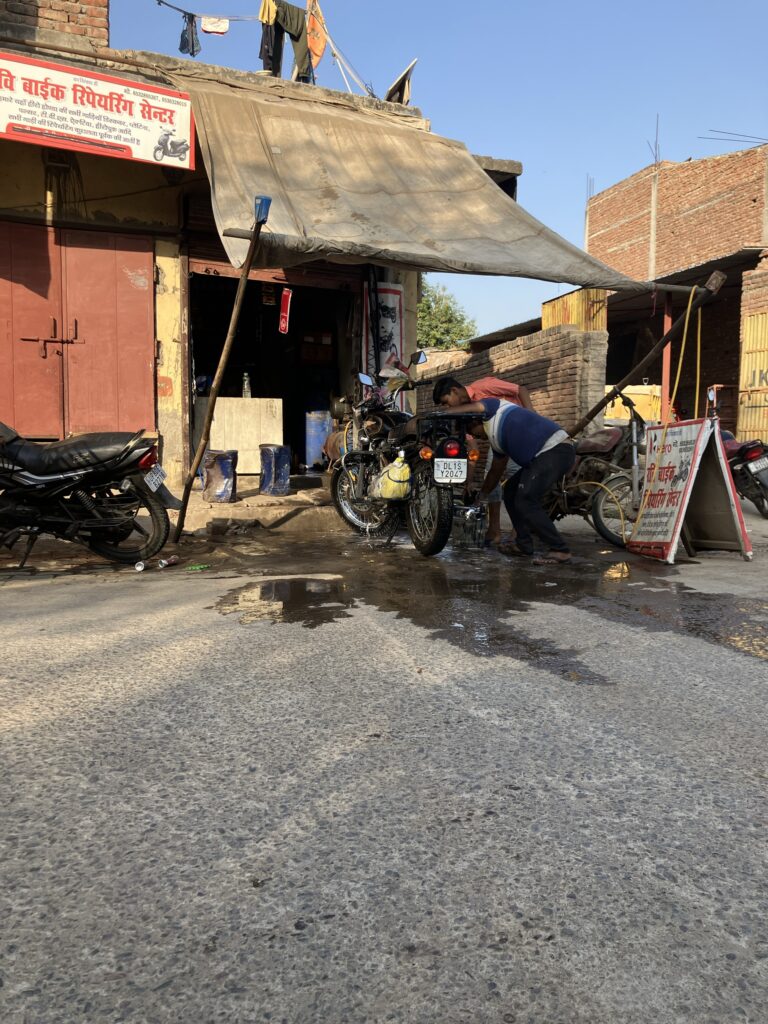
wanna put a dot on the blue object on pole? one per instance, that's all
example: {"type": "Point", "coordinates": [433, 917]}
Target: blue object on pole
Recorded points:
{"type": "Point", "coordinates": [262, 205]}
{"type": "Point", "coordinates": [318, 426]}
{"type": "Point", "coordinates": [275, 469]}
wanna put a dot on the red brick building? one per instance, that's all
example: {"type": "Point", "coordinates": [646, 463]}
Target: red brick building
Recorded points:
{"type": "Point", "coordinates": [675, 223]}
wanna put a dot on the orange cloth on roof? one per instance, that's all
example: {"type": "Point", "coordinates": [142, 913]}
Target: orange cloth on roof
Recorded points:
{"type": "Point", "coordinates": [317, 38]}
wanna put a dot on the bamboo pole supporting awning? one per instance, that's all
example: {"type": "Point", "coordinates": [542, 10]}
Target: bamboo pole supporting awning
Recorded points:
{"type": "Point", "coordinates": [366, 185]}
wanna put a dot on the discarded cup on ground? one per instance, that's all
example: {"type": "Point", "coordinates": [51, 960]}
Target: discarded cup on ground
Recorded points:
{"type": "Point", "coordinates": [140, 567]}
{"type": "Point", "coordinates": [171, 560]}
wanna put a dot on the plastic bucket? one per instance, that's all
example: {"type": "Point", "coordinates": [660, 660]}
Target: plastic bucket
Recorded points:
{"type": "Point", "coordinates": [318, 426]}
{"type": "Point", "coordinates": [275, 469]}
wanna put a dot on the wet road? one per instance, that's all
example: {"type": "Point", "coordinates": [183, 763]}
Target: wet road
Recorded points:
{"type": "Point", "coordinates": [330, 782]}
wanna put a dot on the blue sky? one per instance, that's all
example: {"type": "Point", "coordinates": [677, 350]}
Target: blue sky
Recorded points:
{"type": "Point", "coordinates": [568, 89]}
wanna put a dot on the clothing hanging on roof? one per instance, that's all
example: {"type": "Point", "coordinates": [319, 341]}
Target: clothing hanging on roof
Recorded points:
{"type": "Point", "coordinates": [268, 12]}
{"type": "Point", "coordinates": [189, 42]}
{"type": "Point", "coordinates": [294, 20]}
{"type": "Point", "coordinates": [271, 50]}
{"type": "Point", "coordinates": [215, 26]}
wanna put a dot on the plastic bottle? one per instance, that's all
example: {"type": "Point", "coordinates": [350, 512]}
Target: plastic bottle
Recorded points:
{"type": "Point", "coordinates": [246, 385]}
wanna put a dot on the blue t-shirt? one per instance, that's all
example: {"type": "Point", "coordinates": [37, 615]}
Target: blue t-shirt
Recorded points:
{"type": "Point", "coordinates": [516, 432]}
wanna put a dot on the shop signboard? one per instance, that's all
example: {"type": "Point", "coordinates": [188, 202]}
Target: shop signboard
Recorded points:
{"type": "Point", "coordinates": [688, 493]}
{"type": "Point", "coordinates": [69, 108]}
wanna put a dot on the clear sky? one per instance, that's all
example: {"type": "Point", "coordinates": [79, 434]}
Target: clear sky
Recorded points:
{"type": "Point", "coordinates": [571, 90]}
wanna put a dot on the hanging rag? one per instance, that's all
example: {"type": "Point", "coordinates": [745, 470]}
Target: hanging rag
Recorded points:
{"type": "Point", "coordinates": [215, 26]}
{"type": "Point", "coordinates": [271, 51]}
{"type": "Point", "coordinates": [268, 12]}
{"type": "Point", "coordinates": [293, 20]}
{"type": "Point", "coordinates": [189, 42]}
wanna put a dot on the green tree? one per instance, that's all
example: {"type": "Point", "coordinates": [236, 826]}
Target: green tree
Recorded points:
{"type": "Point", "coordinates": [442, 322]}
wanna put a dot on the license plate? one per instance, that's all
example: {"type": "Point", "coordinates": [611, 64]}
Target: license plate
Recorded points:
{"type": "Point", "coordinates": [758, 465]}
{"type": "Point", "coordinates": [450, 471]}
{"type": "Point", "coordinates": [154, 478]}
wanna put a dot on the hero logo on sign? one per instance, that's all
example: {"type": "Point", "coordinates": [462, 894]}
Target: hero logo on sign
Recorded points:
{"type": "Point", "coordinates": [67, 108]}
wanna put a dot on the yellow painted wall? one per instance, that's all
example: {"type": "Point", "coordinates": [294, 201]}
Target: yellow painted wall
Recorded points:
{"type": "Point", "coordinates": [169, 329]}
{"type": "Point", "coordinates": [106, 192]}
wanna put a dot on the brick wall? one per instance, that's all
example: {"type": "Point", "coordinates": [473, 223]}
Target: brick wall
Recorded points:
{"type": "Point", "coordinates": [87, 21]}
{"type": "Point", "coordinates": [754, 295]}
{"type": "Point", "coordinates": [704, 209]}
{"type": "Point", "coordinates": [564, 369]}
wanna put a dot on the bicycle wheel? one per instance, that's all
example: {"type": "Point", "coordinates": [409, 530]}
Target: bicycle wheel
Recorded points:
{"type": "Point", "coordinates": [613, 511]}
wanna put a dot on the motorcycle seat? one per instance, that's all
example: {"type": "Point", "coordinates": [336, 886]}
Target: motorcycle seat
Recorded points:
{"type": "Point", "coordinates": [83, 452]}
{"type": "Point", "coordinates": [733, 447]}
{"type": "Point", "coordinates": [601, 441]}
{"type": "Point", "coordinates": [403, 430]}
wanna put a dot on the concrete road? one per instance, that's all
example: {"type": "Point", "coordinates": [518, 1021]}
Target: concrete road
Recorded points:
{"type": "Point", "coordinates": [334, 782]}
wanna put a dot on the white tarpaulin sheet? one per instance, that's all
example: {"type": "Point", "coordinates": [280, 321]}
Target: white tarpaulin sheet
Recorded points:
{"type": "Point", "coordinates": [358, 185]}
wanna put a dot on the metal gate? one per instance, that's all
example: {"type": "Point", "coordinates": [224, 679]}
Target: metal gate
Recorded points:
{"type": "Point", "coordinates": [753, 379]}
{"type": "Point", "coordinates": [77, 345]}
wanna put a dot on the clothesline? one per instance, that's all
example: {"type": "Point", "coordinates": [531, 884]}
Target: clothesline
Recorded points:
{"type": "Point", "coordinates": [225, 17]}
{"type": "Point", "coordinates": [340, 60]}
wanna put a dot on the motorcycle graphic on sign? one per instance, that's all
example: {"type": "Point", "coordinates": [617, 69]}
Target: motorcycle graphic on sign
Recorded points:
{"type": "Point", "coordinates": [170, 147]}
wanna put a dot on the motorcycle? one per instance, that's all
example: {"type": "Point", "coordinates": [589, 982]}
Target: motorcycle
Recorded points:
{"type": "Point", "coordinates": [168, 146]}
{"type": "Point", "coordinates": [105, 491]}
{"type": "Point", "coordinates": [432, 446]}
{"type": "Point", "coordinates": [605, 482]}
{"type": "Point", "coordinates": [748, 462]}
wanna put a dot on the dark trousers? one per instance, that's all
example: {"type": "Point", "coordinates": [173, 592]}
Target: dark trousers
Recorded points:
{"type": "Point", "coordinates": [524, 492]}
{"type": "Point", "coordinates": [293, 21]}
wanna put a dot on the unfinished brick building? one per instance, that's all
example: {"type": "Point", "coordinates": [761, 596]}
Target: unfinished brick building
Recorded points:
{"type": "Point", "coordinates": [675, 223]}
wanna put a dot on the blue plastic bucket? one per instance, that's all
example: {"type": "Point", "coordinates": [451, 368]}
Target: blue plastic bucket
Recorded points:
{"type": "Point", "coordinates": [317, 428]}
{"type": "Point", "coordinates": [275, 469]}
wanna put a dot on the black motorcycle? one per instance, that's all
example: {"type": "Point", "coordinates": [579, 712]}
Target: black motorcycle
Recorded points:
{"type": "Point", "coordinates": [432, 446]}
{"type": "Point", "coordinates": [102, 490]}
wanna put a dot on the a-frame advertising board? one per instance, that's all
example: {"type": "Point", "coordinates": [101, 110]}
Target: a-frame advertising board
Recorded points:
{"type": "Point", "coordinates": [689, 494]}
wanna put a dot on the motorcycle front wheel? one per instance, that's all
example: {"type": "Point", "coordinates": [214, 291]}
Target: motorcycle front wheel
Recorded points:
{"type": "Point", "coordinates": [429, 513]}
{"type": "Point", "coordinates": [158, 153]}
{"type": "Point", "coordinates": [613, 512]}
{"type": "Point", "coordinates": [144, 529]}
{"type": "Point", "coordinates": [373, 520]}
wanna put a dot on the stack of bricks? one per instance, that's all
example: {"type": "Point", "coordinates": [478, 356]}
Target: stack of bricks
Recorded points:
{"type": "Point", "coordinates": [562, 367]}
{"type": "Point", "coordinates": [84, 20]}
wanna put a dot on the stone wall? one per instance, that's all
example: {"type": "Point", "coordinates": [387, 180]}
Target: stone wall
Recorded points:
{"type": "Point", "coordinates": [563, 368]}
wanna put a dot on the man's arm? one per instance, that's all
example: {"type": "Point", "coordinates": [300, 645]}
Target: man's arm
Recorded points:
{"type": "Point", "coordinates": [524, 397]}
{"type": "Point", "coordinates": [476, 407]}
{"type": "Point", "coordinates": [498, 466]}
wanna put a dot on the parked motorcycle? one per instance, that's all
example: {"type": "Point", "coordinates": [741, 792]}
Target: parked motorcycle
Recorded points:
{"type": "Point", "coordinates": [168, 146]}
{"type": "Point", "coordinates": [429, 495]}
{"type": "Point", "coordinates": [102, 490]}
{"type": "Point", "coordinates": [605, 482]}
{"type": "Point", "coordinates": [748, 462]}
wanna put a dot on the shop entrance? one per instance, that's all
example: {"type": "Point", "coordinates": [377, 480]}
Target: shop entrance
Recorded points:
{"type": "Point", "coordinates": [290, 376]}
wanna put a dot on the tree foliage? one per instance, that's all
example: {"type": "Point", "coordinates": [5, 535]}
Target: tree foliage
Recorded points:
{"type": "Point", "coordinates": [442, 322]}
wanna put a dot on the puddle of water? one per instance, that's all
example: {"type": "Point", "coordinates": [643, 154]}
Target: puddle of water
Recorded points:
{"type": "Point", "coordinates": [309, 601]}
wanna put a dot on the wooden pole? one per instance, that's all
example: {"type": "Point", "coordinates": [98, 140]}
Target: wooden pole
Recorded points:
{"type": "Point", "coordinates": [712, 287]}
{"type": "Point", "coordinates": [220, 370]}
{"type": "Point", "coordinates": [666, 362]}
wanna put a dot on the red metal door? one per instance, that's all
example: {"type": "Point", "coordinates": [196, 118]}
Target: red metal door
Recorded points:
{"type": "Point", "coordinates": [31, 386]}
{"type": "Point", "coordinates": [109, 317]}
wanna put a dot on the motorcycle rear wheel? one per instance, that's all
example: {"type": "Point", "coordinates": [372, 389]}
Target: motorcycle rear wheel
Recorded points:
{"type": "Point", "coordinates": [612, 510]}
{"type": "Point", "coordinates": [761, 504]}
{"type": "Point", "coordinates": [429, 512]}
{"type": "Point", "coordinates": [376, 521]}
{"type": "Point", "coordinates": [146, 527]}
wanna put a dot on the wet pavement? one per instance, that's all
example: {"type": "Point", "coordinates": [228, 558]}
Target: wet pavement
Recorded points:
{"type": "Point", "coordinates": [328, 780]}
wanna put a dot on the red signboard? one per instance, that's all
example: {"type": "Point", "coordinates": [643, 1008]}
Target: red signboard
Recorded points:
{"type": "Point", "coordinates": [69, 108]}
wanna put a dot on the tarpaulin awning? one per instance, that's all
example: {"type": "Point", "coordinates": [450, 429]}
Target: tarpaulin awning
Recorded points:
{"type": "Point", "coordinates": [362, 185]}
